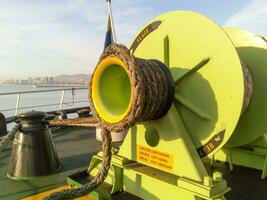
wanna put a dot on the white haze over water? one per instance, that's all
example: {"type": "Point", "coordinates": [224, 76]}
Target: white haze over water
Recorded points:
{"type": "Point", "coordinates": [34, 99]}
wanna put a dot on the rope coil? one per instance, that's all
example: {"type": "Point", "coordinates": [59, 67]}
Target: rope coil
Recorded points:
{"type": "Point", "coordinates": [248, 86]}
{"type": "Point", "coordinates": [153, 91]}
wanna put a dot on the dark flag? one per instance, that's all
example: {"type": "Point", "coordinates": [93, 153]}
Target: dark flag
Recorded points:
{"type": "Point", "coordinates": [109, 38]}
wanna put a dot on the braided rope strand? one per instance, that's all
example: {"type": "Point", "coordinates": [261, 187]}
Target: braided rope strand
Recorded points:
{"type": "Point", "coordinates": [150, 99]}
{"type": "Point", "coordinates": [96, 181]}
{"type": "Point", "coordinates": [82, 121]}
{"type": "Point", "coordinates": [150, 88]}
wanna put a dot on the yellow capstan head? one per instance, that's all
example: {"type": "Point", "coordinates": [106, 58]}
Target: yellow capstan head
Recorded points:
{"type": "Point", "coordinates": [126, 89]}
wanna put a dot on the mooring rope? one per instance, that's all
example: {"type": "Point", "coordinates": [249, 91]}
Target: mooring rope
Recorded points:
{"type": "Point", "coordinates": [153, 89]}
{"type": "Point", "coordinates": [81, 121]}
{"type": "Point", "coordinates": [96, 181]}
{"type": "Point", "coordinates": [8, 137]}
{"type": "Point", "coordinates": [248, 85]}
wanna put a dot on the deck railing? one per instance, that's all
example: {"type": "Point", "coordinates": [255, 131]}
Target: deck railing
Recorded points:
{"type": "Point", "coordinates": [60, 103]}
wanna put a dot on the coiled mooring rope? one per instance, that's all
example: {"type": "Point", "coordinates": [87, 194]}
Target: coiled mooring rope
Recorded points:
{"type": "Point", "coordinates": [153, 90]}
{"type": "Point", "coordinates": [248, 85]}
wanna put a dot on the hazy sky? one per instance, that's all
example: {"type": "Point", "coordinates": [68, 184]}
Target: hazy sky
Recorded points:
{"type": "Point", "coordinates": [51, 37]}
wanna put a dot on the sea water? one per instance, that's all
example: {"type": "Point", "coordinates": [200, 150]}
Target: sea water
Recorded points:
{"type": "Point", "coordinates": [35, 100]}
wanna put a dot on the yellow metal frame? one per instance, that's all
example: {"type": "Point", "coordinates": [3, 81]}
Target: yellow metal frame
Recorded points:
{"type": "Point", "coordinates": [188, 180]}
{"type": "Point", "coordinates": [104, 64]}
{"type": "Point", "coordinates": [209, 98]}
{"type": "Point", "coordinates": [252, 49]}
{"type": "Point", "coordinates": [248, 147]}
{"type": "Point", "coordinates": [209, 94]}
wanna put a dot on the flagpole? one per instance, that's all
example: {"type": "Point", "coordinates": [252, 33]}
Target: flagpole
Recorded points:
{"type": "Point", "coordinates": [111, 21]}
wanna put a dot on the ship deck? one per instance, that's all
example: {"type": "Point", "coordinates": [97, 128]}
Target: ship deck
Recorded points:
{"type": "Point", "coordinates": [76, 146]}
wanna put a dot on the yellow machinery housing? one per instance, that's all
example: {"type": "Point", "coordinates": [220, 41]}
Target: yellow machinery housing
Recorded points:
{"type": "Point", "coordinates": [219, 106]}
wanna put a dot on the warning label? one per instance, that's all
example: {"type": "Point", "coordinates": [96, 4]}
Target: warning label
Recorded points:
{"type": "Point", "coordinates": [154, 158]}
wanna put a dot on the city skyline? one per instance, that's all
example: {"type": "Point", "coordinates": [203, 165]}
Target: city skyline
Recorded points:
{"type": "Point", "coordinates": [75, 79]}
{"type": "Point", "coordinates": [70, 39]}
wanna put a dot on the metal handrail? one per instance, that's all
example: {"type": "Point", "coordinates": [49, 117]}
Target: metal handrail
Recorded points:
{"type": "Point", "coordinates": [12, 119]}
{"type": "Point", "coordinates": [61, 103]}
{"type": "Point", "coordinates": [42, 105]}
{"type": "Point", "coordinates": [40, 91]}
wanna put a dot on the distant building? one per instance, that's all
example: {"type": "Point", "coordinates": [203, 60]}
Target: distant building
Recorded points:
{"type": "Point", "coordinates": [46, 80]}
{"type": "Point", "coordinates": [50, 80]}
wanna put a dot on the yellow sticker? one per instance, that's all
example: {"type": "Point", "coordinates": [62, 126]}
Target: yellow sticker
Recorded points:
{"type": "Point", "coordinates": [154, 158]}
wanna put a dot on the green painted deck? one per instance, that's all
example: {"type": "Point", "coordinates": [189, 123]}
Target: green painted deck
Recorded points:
{"type": "Point", "coordinates": [75, 147]}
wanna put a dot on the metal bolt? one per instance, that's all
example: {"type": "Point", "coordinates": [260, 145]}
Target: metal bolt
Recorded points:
{"type": "Point", "coordinates": [217, 176]}
{"type": "Point", "coordinates": [207, 181]}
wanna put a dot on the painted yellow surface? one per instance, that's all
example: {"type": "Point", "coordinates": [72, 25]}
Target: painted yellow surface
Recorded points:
{"type": "Point", "coordinates": [155, 158]}
{"type": "Point", "coordinates": [216, 89]}
{"type": "Point", "coordinates": [96, 94]}
{"type": "Point", "coordinates": [252, 49]}
{"type": "Point", "coordinates": [174, 140]}
{"type": "Point", "coordinates": [42, 195]}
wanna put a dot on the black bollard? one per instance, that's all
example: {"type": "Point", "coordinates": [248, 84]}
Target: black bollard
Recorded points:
{"type": "Point", "coordinates": [3, 128]}
{"type": "Point", "coordinates": [84, 113]}
{"type": "Point", "coordinates": [61, 113]}
{"type": "Point", "coordinates": [33, 152]}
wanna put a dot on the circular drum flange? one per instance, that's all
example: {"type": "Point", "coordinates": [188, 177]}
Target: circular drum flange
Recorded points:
{"type": "Point", "coordinates": [209, 85]}
{"type": "Point", "coordinates": [252, 49]}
